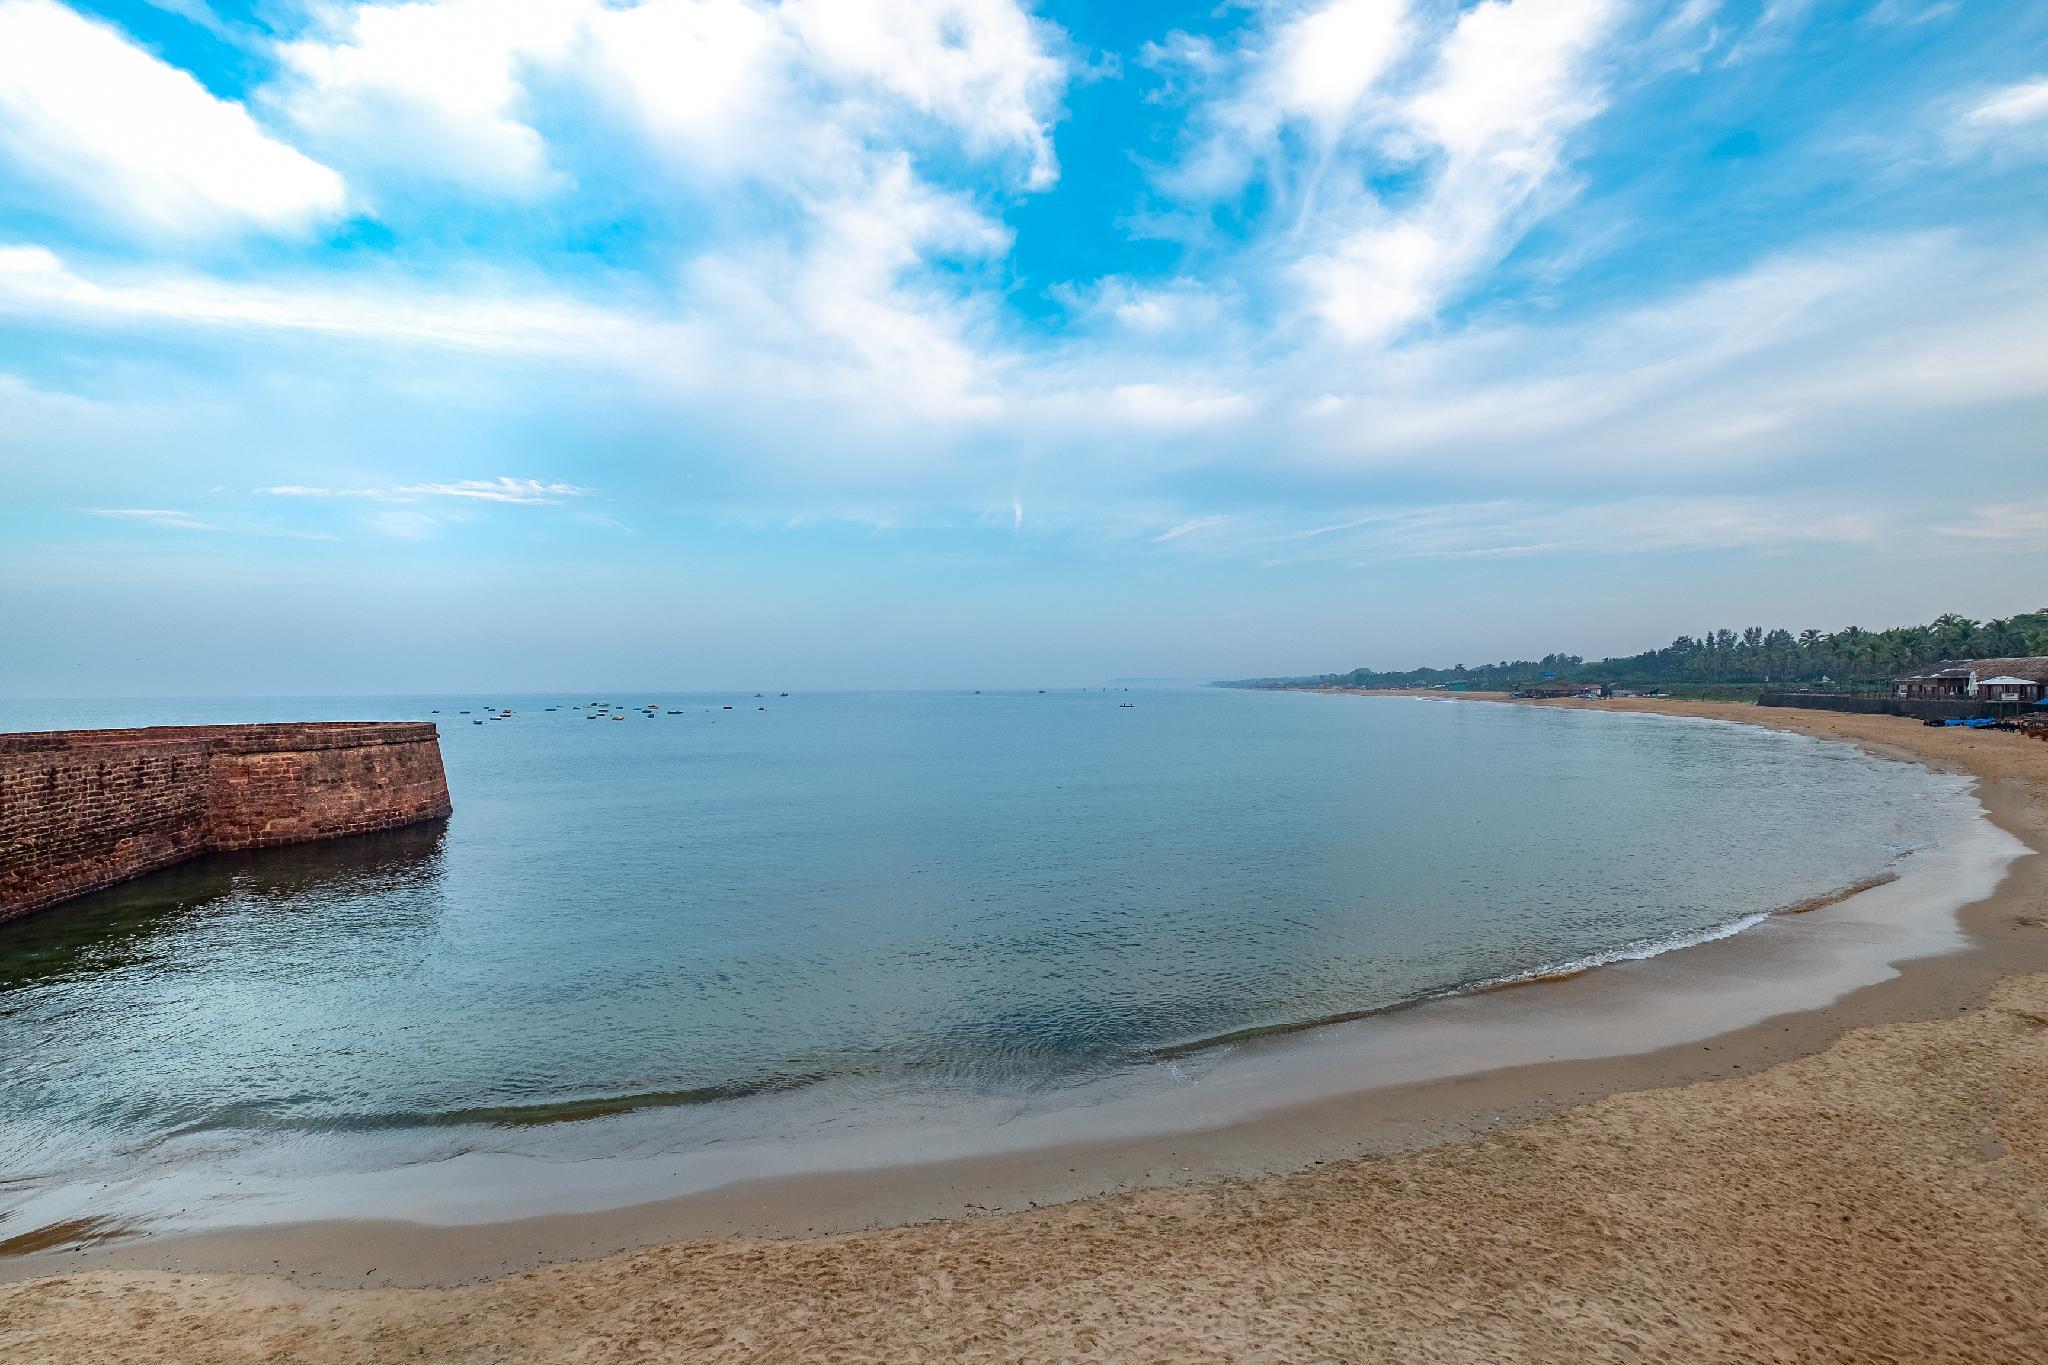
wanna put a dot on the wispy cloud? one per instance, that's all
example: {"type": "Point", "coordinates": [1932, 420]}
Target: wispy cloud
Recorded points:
{"type": "Point", "coordinates": [1514, 528]}
{"type": "Point", "coordinates": [603, 522]}
{"type": "Point", "coordinates": [155, 516]}
{"type": "Point", "coordinates": [529, 492]}
{"type": "Point", "coordinates": [2014, 521]}
{"type": "Point", "coordinates": [501, 489]}
{"type": "Point", "coordinates": [226, 523]}
{"type": "Point", "coordinates": [36, 282]}
{"type": "Point", "coordinates": [2012, 105]}
{"type": "Point", "coordinates": [1190, 526]}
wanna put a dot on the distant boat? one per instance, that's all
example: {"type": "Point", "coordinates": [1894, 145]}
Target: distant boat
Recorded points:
{"type": "Point", "coordinates": [1126, 706]}
{"type": "Point", "coordinates": [675, 713]}
{"type": "Point", "coordinates": [476, 722]}
{"type": "Point", "coordinates": [785, 694]}
{"type": "Point", "coordinates": [728, 708]}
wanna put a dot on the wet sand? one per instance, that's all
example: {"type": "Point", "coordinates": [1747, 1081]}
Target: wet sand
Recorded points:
{"type": "Point", "coordinates": [1788, 1189]}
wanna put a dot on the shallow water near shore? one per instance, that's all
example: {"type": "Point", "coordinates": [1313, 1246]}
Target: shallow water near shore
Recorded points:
{"type": "Point", "coordinates": [857, 914]}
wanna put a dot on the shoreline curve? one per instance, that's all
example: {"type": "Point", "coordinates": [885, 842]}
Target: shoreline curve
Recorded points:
{"type": "Point", "coordinates": [1398, 1116]}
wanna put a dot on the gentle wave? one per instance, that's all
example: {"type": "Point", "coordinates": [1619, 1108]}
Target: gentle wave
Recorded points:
{"type": "Point", "coordinates": [510, 1115]}
{"type": "Point", "coordinates": [1638, 951]}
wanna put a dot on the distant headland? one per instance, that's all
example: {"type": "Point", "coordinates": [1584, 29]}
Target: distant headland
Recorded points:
{"type": "Point", "coordinates": [1732, 665]}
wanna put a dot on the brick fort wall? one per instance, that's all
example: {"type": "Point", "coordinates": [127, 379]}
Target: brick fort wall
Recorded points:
{"type": "Point", "coordinates": [84, 809]}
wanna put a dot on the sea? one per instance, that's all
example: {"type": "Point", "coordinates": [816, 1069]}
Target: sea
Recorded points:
{"type": "Point", "coordinates": [664, 921]}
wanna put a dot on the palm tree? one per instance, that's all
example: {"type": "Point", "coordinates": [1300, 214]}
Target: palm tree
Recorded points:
{"type": "Point", "coordinates": [1952, 634]}
{"type": "Point", "coordinates": [1852, 644]}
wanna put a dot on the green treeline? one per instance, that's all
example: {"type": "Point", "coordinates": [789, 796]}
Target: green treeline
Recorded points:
{"type": "Point", "coordinates": [1851, 655]}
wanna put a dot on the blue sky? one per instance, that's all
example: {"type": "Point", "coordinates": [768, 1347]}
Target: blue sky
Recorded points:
{"type": "Point", "coordinates": [694, 343]}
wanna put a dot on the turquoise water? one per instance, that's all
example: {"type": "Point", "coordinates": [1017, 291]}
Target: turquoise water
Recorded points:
{"type": "Point", "coordinates": [914, 894]}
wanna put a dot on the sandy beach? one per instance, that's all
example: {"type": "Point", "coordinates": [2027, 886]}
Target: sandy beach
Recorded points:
{"type": "Point", "coordinates": [1863, 1181]}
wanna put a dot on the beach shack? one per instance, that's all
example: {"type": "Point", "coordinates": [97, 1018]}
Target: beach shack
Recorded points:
{"type": "Point", "coordinates": [1550, 691]}
{"type": "Point", "coordinates": [2020, 680]}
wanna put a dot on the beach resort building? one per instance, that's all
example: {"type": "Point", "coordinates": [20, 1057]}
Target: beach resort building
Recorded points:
{"type": "Point", "coordinates": [2016, 680]}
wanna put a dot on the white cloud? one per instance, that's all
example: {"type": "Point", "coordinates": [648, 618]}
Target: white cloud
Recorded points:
{"type": "Point", "coordinates": [501, 489]}
{"type": "Point", "coordinates": [1473, 112]}
{"type": "Point", "coordinates": [849, 309]}
{"type": "Point", "coordinates": [2017, 521]}
{"type": "Point", "coordinates": [1777, 24]}
{"type": "Point", "coordinates": [1510, 83]}
{"type": "Point", "coordinates": [36, 282]}
{"type": "Point", "coordinates": [1314, 69]}
{"type": "Point", "coordinates": [980, 67]}
{"type": "Point", "coordinates": [420, 511]}
{"type": "Point", "coordinates": [1514, 528]}
{"type": "Point", "coordinates": [1172, 407]}
{"type": "Point", "coordinates": [531, 492]}
{"type": "Point", "coordinates": [300, 490]}
{"type": "Point", "coordinates": [1189, 527]}
{"type": "Point", "coordinates": [843, 321]}
{"type": "Point", "coordinates": [1378, 280]}
{"type": "Point", "coordinates": [708, 80]}
{"type": "Point", "coordinates": [795, 137]}
{"type": "Point", "coordinates": [2011, 106]}
{"type": "Point", "coordinates": [155, 516]}
{"type": "Point", "coordinates": [1783, 358]}
{"type": "Point", "coordinates": [1326, 60]}
{"type": "Point", "coordinates": [767, 92]}
{"type": "Point", "coordinates": [432, 87]}
{"type": "Point", "coordinates": [89, 114]}
{"type": "Point", "coordinates": [1146, 309]}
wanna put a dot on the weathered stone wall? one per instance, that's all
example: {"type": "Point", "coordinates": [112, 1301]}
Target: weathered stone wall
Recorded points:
{"type": "Point", "coordinates": [84, 809]}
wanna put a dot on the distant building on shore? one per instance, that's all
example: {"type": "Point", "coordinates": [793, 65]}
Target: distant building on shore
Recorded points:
{"type": "Point", "coordinates": [1545, 691]}
{"type": "Point", "coordinates": [2015, 680]}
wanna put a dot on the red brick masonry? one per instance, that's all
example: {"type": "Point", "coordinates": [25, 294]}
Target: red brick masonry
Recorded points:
{"type": "Point", "coordinates": [84, 809]}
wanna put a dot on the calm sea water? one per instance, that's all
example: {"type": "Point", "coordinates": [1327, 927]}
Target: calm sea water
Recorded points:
{"type": "Point", "coordinates": [920, 893]}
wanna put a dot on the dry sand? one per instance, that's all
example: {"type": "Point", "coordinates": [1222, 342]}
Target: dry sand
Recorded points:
{"type": "Point", "coordinates": [1883, 1199]}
